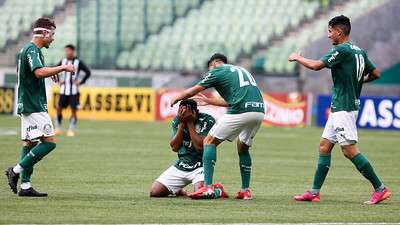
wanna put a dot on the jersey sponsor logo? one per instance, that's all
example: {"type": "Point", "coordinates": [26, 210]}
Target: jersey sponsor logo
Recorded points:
{"type": "Point", "coordinates": [31, 127]}
{"type": "Point", "coordinates": [187, 166]}
{"type": "Point", "coordinates": [333, 57]}
{"type": "Point", "coordinates": [199, 128]}
{"type": "Point", "coordinates": [254, 104]}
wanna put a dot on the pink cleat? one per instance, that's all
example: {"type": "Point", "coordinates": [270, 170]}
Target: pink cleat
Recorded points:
{"type": "Point", "coordinates": [245, 195]}
{"type": "Point", "coordinates": [203, 193]}
{"type": "Point", "coordinates": [308, 196]}
{"type": "Point", "coordinates": [379, 196]}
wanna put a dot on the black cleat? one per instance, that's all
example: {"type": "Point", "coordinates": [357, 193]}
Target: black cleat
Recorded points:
{"type": "Point", "coordinates": [12, 178]}
{"type": "Point", "coordinates": [30, 192]}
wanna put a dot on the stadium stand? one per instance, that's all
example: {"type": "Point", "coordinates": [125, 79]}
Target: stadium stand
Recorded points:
{"type": "Point", "coordinates": [274, 60]}
{"type": "Point", "coordinates": [16, 16]}
{"type": "Point", "coordinates": [108, 27]}
{"type": "Point", "coordinates": [237, 27]}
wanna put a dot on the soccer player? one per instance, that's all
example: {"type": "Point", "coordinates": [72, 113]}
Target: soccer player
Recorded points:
{"type": "Point", "coordinates": [188, 131]}
{"type": "Point", "coordinates": [36, 127]}
{"type": "Point", "coordinates": [69, 89]}
{"type": "Point", "coordinates": [240, 94]}
{"type": "Point", "coordinates": [350, 68]}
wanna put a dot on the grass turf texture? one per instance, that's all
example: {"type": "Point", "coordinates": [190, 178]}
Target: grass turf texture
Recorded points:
{"type": "Point", "coordinates": [104, 173]}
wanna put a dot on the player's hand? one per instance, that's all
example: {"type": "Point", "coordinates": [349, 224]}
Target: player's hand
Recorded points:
{"type": "Point", "coordinates": [294, 56]}
{"type": "Point", "coordinates": [69, 68]}
{"type": "Point", "coordinates": [174, 101]}
{"type": "Point", "coordinates": [55, 78]}
{"type": "Point", "coordinates": [77, 82]}
{"type": "Point", "coordinates": [181, 112]}
{"type": "Point", "coordinates": [201, 99]}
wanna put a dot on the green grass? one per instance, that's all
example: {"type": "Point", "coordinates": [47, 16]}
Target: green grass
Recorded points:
{"type": "Point", "coordinates": [103, 176]}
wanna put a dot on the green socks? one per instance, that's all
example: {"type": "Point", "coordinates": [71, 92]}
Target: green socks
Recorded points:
{"type": "Point", "coordinates": [209, 159]}
{"type": "Point", "coordinates": [245, 168]}
{"type": "Point", "coordinates": [36, 154]}
{"type": "Point", "coordinates": [27, 172]}
{"type": "Point", "coordinates": [365, 168]}
{"type": "Point", "coordinates": [324, 162]}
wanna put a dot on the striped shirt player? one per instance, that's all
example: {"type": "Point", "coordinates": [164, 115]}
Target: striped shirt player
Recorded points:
{"type": "Point", "coordinates": [69, 88]}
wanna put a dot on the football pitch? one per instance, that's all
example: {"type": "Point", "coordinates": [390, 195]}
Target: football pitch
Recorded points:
{"type": "Point", "coordinates": [103, 175]}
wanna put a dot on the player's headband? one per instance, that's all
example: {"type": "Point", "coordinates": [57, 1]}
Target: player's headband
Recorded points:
{"type": "Point", "coordinates": [50, 32]}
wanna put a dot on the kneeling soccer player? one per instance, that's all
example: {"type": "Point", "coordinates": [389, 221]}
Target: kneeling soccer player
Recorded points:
{"type": "Point", "coordinates": [189, 129]}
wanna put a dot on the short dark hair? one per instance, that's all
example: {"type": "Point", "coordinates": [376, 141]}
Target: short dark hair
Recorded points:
{"type": "Point", "coordinates": [342, 22]}
{"type": "Point", "coordinates": [189, 102]}
{"type": "Point", "coordinates": [217, 56]}
{"type": "Point", "coordinates": [70, 46]}
{"type": "Point", "coordinates": [44, 22]}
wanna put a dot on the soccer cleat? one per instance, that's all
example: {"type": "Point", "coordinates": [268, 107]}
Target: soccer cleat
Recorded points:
{"type": "Point", "coordinates": [12, 178]}
{"type": "Point", "coordinates": [58, 132]}
{"type": "Point", "coordinates": [203, 193]}
{"type": "Point", "coordinates": [379, 196]}
{"type": "Point", "coordinates": [245, 195]}
{"type": "Point", "coordinates": [70, 133]}
{"type": "Point", "coordinates": [30, 192]}
{"type": "Point", "coordinates": [308, 196]}
{"type": "Point", "coordinates": [219, 186]}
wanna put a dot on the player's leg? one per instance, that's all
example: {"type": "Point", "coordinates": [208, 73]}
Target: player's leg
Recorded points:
{"type": "Point", "coordinates": [170, 182]}
{"type": "Point", "coordinates": [42, 125]}
{"type": "Point", "coordinates": [326, 145]}
{"type": "Point", "coordinates": [159, 190]}
{"type": "Point", "coordinates": [252, 122]}
{"type": "Point", "coordinates": [62, 104]}
{"type": "Point", "coordinates": [345, 123]}
{"type": "Point", "coordinates": [366, 169]}
{"type": "Point", "coordinates": [74, 102]}
{"type": "Point", "coordinates": [26, 174]}
{"type": "Point", "coordinates": [210, 144]}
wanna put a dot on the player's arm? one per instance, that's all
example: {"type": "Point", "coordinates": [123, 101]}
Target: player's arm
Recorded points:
{"type": "Point", "coordinates": [196, 138]}
{"type": "Point", "coordinates": [177, 128]}
{"type": "Point", "coordinates": [371, 73]}
{"type": "Point", "coordinates": [374, 75]}
{"type": "Point", "coordinates": [84, 68]}
{"type": "Point", "coordinates": [176, 140]}
{"type": "Point", "coordinates": [51, 71]}
{"type": "Point", "coordinates": [202, 100]}
{"type": "Point", "coordinates": [309, 63]}
{"type": "Point", "coordinates": [190, 92]}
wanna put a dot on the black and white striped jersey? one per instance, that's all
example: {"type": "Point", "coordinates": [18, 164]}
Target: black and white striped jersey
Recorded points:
{"type": "Point", "coordinates": [67, 79]}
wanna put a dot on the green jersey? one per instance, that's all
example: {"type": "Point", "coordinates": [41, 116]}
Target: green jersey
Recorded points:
{"type": "Point", "coordinates": [237, 87]}
{"type": "Point", "coordinates": [188, 158]}
{"type": "Point", "coordinates": [31, 90]}
{"type": "Point", "coordinates": [348, 64]}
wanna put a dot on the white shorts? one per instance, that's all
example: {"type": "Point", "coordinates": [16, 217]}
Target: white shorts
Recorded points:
{"type": "Point", "coordinates": [341, 128]}
{"type": "Point", "coordinates": [175, 179]}
{"type": "Point", "coordinates": [244, 125]}
{"type": "Point", "coordinates": [36, 125]}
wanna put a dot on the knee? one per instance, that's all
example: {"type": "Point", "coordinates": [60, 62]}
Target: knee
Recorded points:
{"type": "Point", "coordinates": [324, 147]}
{"type": "Point", "coordinates": [349, 151]}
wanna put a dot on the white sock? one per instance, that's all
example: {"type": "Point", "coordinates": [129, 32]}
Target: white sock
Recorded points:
{"type": "Point", "coordinates": [26, 185]}
{"type": "Point", "coordinates": [18, 169]}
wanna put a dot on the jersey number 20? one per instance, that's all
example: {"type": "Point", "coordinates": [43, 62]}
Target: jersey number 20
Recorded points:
{"type": "Point", "coordinates": [240, 72]}
{"type": "Point", "coordinates": [360, 66]}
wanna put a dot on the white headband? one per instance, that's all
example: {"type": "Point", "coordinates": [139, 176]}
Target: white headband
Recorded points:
{"type": "Point", "coordinates": [41, 29]}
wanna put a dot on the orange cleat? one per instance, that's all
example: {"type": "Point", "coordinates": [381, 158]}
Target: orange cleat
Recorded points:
{"type": "Point", "coordinates": [308, 197]}
{"type": "Point", "coordinates": [245, 195]}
